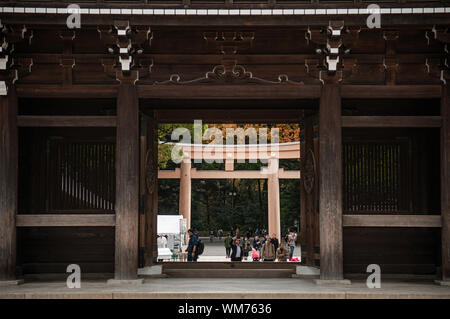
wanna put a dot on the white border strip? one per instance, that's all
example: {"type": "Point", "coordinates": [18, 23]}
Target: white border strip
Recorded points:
{"type": "Point", "coordinates": [233, 12]}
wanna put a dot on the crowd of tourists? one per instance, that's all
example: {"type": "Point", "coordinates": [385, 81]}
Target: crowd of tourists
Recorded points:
{"type": "Point", "coordinates": [260, 246]}
{"type": "Point", "coordinates": [257, 246]}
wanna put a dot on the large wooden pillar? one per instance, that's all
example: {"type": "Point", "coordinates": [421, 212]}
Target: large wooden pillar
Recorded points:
{"type": "Point", "coordinates": [127, 183]}
{"type": "Point", "coordinates": [273, 194]}
{"type": "Point", "coordinates": [151, 196]}
{"type": "Point", "coordinates": [445, 182]}
{"type": "Point", "coordinates": [8, 184]}
{"type": "Point", "coordinates": [185, 191]}
{"type": "Point", "coordinates": [330, 183]}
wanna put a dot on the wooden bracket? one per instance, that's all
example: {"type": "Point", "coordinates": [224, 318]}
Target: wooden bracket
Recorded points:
{"type": "Point", "coordinates": [390, 62]}
{"type": "Point", "coordinates": [126, 44]}
{"type": "Point", "coordinates": [317, 69]}
{"type": "Point", "coordinates": [439, 67]}
{"type": "Point", "coordinates": [12, 69]}
{"type": "Point", "coordinates": [332, 43]}
{"type": "Point", "coordinates": [67, 61]}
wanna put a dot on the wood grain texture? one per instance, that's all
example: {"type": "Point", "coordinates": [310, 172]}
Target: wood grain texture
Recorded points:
{"type": "Point", "coordinates": [390, 92]}
{"type": "Point", "coordinates": [71, 220]}
{"type": "Point", "coordinates": [8, 183]}
{"type": "Point", "coordinates": [127, 183]}
{"type": "Point", "coordinates": [330, 183]}
{"type": "Point", "coordinates": [445, 181]}
{"type": "Point", "coordinates": [391, 220]}
{"type": "Point", "coordinates": [391, 121]}
{"type": "Point", "coordinates": [151, 193]}
{"type": "Point", "coordinates": [66, 121]}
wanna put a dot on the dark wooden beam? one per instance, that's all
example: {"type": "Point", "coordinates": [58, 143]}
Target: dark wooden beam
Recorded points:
{"type": "Point", "coordinates": [60, 91]}
{"type": "Point", "coordinates": [66, 121]}
{"type": "Point", "coordinates": [391, 91]}
{"type": "Point", "coordinates": [278, 91]}
{"type": "Point", "coordinates": [68, 220]}
{"type": "Point", "coordinates": [229, 115]}
{"type": "Point", "coordinates": [8, 184]}
{"type": "Point", "coordinates": [173, 91]}
{"type": "Point", "coordinates": [445, 181]}
{"type": "Point", "coordinates": [330, 183]}
{"type": "Point", "coordinates": [391, 220]}
{"type": "Point", "coordinates": [127, 183]}
{"type": "Point", "coordinates": [151, 192]}
{"type": "Point", "coordinates": [391, 121]}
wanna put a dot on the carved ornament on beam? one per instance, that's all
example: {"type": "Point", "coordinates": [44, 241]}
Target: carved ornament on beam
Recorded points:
{"type": "Point", "coordinates": [229, 71]}
{"type": "Point", "coordinates": [126, 43]}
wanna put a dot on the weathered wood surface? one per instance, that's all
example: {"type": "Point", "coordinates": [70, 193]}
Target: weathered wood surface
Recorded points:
{"type": "Point", "coordinates": [391, 121]}
{"type": "Point", "coordinates": [330, 183]}
{"type": "Point", "coordinates": [52, 249]}
{"type": "Point", "coordinates": [127, 183]}
{"type": "Point", "coordinates": [63, 220]}
{"type": "Point", "coordinates": [8, 183]}
{"type": "Point", "coordinates": [398, 250]}
{"type": "Point", "coordinates": [151, 192]}
{"type": "Point", "coordinates": [391, 220]}
{"type": "Point", "coordinates": [445, 181]}
{"type": "Point", "coordinates": [66, 121]}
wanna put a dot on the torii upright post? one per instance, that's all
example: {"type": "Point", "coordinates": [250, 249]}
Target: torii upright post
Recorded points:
{"type": "Point", "coordinates": [273, 190]}
{"type": "Point", "coordinates": [185, 190]}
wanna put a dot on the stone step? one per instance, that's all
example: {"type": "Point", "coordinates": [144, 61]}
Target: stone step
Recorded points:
{"type": "Point", "coordinates": [229, 273]}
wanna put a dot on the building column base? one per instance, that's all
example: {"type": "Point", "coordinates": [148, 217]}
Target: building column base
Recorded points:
{"type": "Point", "coordinates": [11, 282]}
{"type": "Point", "coordinates": [322, 282]}
{"type": "Point", "coordinates": [138, 281]}
{"type": "Point", "coordinates": [443, 282]}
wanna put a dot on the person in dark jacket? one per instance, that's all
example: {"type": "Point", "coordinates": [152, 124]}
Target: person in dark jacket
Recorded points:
{"type": "Point", "coordinates": [275, 241]}
{"type": "Point", "coordinates": [237, 252]}
{"type": "Point", "coordinates": [192, 253]}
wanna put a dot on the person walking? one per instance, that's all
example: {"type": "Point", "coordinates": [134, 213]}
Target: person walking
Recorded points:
{"type": "Point", "coordinates": [282, 253]}
{"type": "Point", "coordinates": [220, 233]}
{"type": "Point", "coordinates": [192, 253]}
{"type": "Point", "coordinates": [292, 238]}
{"type": "Point", "coordinates": [211, 236]}
{"type": "Point", "coordinates": [227, 242]}
{"type": "Point", "coordinates": [237, 252]}
{"type": "Point", "coordinates": [268, 251]}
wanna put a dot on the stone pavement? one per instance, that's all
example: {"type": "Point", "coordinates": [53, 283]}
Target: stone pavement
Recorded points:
{"type": "Point", "coordinates": [217, 288]}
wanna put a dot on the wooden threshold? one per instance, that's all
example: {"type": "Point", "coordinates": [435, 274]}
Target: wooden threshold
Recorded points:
{"type": "Point", "coordinates": [392, 220]}
{"type": "Point", "coordinates": [54, 220]}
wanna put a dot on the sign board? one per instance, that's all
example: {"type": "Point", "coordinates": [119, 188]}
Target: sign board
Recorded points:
{"type": "Point", "coordinates": [169, 224]}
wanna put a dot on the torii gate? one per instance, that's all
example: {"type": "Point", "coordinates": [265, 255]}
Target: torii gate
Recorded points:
{"type": "Point", "coordinates": [229, 153]}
